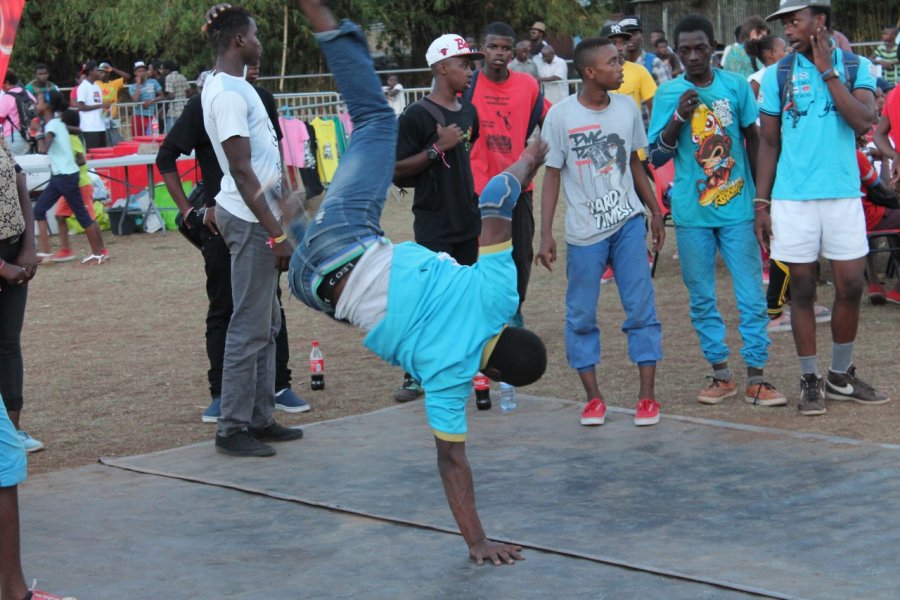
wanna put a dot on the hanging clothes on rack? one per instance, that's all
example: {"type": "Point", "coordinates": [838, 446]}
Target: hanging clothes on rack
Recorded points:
{"type": "Point", "coordinates": [329, 141]}
{"type": "Point", "coordinates": [294, 143]}
{"type": "Point", "coordinates": [309, 173]}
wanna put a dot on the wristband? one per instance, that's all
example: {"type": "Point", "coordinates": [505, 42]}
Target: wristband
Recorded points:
{"type": "Point", "coordinates": [666, 147]}
{"type": "Point", "coordinates": [677, 117]}
{"type": "Point", "coordinates": [276, 240]}
{"type": "Point", "coordinates": [761, 204]}
{"type": "Point", "coordinates": [442, 155]}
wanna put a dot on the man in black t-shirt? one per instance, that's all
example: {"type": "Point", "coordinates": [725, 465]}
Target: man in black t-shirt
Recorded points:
{"type": "Point", "coordinates": [188, 134]}
{"type": "Point", "coordinates": [436, 153]}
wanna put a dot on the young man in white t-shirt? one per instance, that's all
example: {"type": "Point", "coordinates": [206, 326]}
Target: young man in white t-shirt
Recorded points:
{"type": "Point", "coordinates": [395, 95]}
{"type": "Point", "coordinates": [593, 139]}
{"type": "Point", "coordinates": [90, 106]}
{"type": "Point", "coordinates": [247, 216]}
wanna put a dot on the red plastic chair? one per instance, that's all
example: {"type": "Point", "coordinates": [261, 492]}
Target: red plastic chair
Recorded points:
{"type": "Point", "coordinates": [663, 176]}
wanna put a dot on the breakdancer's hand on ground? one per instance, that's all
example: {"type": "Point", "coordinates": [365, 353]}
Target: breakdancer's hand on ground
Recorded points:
{"type": "Point", "coordinates": [496, 552]}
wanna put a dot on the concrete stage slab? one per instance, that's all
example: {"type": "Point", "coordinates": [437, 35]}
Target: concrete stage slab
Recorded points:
{"type": "Point", "coordinates": [685, 509]}
{"type": "Point", "coordinates": [98, 533]}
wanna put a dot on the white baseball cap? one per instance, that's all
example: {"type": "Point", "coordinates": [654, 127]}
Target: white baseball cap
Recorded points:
{"type": "Point", "coordinates": [447, 46]}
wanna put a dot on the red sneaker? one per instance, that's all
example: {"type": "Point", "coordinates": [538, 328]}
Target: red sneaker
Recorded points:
{"type": "Point", "coordinates": [647, 412]}
{"type": "Point", "coordinates": [893, 297]}
{"type": "Point", "coordinates": [608, 275]}
{"type": "Point", "coordinates": [594, 413]}
{"type": "Point", "coordinates": [876, 293]}
{"type": "Point", "coordinates": [39, 595]}
{"type": "Point", "coordinates": [62, 255]}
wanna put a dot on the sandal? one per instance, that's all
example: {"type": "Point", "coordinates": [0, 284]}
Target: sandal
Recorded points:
{"type": "Point", "coordinates": [99, 258]}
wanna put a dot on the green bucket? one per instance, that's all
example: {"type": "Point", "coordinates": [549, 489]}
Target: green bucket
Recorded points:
{"type": "Point", "coordinates": [166, 205]}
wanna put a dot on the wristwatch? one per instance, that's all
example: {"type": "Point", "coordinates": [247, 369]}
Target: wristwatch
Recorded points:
{"type": "Point", "coordinates": [432, 153]}
{"type": "Point", "coordinates": [830, 74]}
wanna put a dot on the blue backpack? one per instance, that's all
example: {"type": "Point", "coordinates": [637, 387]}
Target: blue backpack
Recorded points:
{"type": "Point", "coordinates": [786, 70]}
{"type": "Point", "coordinates": [648, 61]}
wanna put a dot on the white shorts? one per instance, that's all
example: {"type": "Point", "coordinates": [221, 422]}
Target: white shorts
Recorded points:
{"type": "Point", "coordinates": [801, 229]}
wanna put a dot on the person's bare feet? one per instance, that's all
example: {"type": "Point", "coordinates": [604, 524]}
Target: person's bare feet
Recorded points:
{"type": "Point", "coordinates": [213, 13]}
{"type": "Point", "coordinates": [318, 14]}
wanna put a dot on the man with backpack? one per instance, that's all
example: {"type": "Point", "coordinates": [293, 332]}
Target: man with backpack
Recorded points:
{"type": "Point", "coordinates": [41, 83]}
{"type": "Point", "coordinates": [435, 136]}
{"type": "Point", "coordinates": [813, 104]}
{"type": "Point", "coordinates": [17, 109]}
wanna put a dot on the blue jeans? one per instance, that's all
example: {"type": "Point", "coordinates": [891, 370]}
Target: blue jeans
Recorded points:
{"type": "Point", "coordinates": [349, 219]}
{"type": "Point", "coordinates": [627, 250]}
{"type": "Point", "coordinates": [739, 249]}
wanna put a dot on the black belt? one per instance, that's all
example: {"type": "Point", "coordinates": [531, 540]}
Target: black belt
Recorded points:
{"type": "Point", "coordinates": [331, 281]}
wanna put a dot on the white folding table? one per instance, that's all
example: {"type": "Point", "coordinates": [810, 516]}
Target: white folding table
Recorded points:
{"type": "Point", "coordinates": [36, 165]}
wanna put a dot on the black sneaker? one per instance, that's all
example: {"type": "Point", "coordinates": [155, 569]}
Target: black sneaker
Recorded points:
{"type": "Point", "coordinates": [409, 391]}
{"type": "Point", "coordinates": [847, 386]}
{"type": "Point", "coordinates": [242, 443]}
{"type": "Point", "coordinates": [277, 433]}
{"type": "Point", "coordinates": [811, 401]}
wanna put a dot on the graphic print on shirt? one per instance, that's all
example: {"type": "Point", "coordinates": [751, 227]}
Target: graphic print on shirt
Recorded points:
{"type": "Point", "coordinates": [497, 124]}
{"type": "Point", "coordinates": [467, 139]}
{"type": "Point", "coordinates": [713, 154]}
{"type": "Point", "coordinates": [602, 160]}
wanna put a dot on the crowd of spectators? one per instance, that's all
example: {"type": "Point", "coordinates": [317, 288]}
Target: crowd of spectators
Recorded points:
{"type": "Point", "coordinates": [760, 174]}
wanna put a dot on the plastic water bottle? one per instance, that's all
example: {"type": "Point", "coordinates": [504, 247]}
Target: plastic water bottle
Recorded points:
{"type": "Point", "coordinates": [482, 392]}
{"type": "Point", "coordinates": [316, 367]}
{"type": "Point", "coordinates": [507, 397]}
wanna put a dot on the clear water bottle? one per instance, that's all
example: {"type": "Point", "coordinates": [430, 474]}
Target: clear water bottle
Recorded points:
{"type": "Point", "coordinates": [316, 367]}
{"type": "Point", "coordinates": [507, 397]}
{"type": "Point", "coordinates": [482, 392]}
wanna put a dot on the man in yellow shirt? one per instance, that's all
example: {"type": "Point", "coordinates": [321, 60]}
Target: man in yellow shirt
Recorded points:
{"type": "Point", "coordinates": [638, 82]}
{"type": "Point", "coordinates": [110, 89]}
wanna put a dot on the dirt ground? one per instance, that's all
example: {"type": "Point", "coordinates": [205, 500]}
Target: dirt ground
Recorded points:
{"type": "Point", "coordinates": [116, 365]}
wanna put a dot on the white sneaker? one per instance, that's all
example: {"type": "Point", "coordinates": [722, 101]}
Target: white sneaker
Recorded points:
{"type": "Point", "coordinates": [30, 444]}
{"type": "Point", "coordinates": [780, 323]}
{"type": "Point", "coordinates": [823, 315]}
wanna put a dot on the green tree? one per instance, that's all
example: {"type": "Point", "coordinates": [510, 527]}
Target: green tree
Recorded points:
{"type": "Point", "coordinates": [65, 33]}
